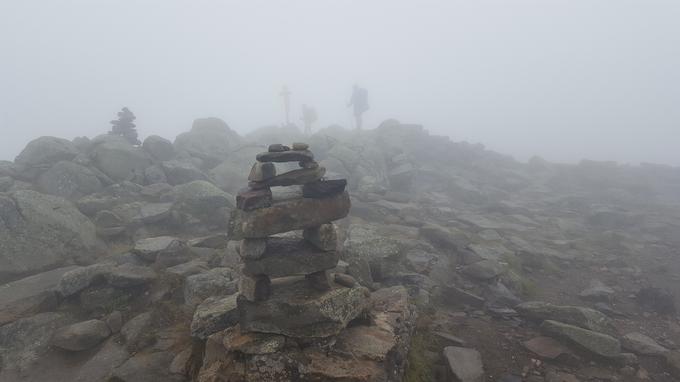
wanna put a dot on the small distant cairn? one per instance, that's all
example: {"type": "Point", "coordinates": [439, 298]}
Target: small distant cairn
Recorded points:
{"type": "Point", "coordinates": [124, 126]}
{"type": "Point", "coordinates": [286, 287]}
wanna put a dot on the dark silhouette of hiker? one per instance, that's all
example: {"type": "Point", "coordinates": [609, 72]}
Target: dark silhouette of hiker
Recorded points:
{"type": "Point", "coordinates": [360, 102]}
{"type": "Point", "coordinates": [309, 116]}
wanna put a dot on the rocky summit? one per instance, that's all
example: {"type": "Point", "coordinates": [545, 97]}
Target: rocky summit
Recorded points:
{"type": "Point", "coordinates": [386, 254]}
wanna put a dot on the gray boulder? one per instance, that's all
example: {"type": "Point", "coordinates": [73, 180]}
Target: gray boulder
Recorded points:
{"type": "Point", "coordinates": [575, 315]}
{"type": "Point", "coordinates": [46, 150]}
{"type": "Point", "coordinates": [159, 148]}
{"type": "Point", "coordinates": [81, 336]}
{"type": "Point", "coordinates": [180, 172]}
{"type": "Point", "coordinates": [641, 344]}
{"type": "Point", "coordinates": [210, 139]}
{"type": "Point", "coordinates": [465, 365]}
{"type": "Point", "coordinates": [201, 197]}
{"type": "Point", "coordinates": [484, 270]}
{"type": "Point", "coordinates": [116, 158]}
{"type": "Point", "coordinates": [69, 180]}
{"type": "Point", "coordinates": [213, 315]}
{"type": "Point", "coordinates": [599, 343]}
{"type": "Point", "coordinates": [39, 232]}
{"type": "Point", "coordinates": [215, 282]}
{"type": "Point", "coordinates": [80, 278]}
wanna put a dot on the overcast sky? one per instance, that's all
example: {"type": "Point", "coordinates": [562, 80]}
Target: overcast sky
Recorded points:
{"type": "Point", "coordinates": [565, 80]}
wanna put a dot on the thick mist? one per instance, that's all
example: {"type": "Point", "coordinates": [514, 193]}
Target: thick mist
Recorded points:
{"type": "Point", "coordinates": [565, 80]}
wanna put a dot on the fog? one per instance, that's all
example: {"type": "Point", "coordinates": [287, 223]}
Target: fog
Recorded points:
{"type": "Point", "coordinates": [565, 80]}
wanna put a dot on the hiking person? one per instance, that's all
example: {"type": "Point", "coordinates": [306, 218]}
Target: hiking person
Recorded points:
{"type": "Point", "coordinates": [309, 116]}
{"type": "Point", "coordinates": [360, 102]}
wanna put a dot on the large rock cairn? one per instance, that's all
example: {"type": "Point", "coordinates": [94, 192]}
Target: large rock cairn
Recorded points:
{"type": "Point", "coordinates": [286, 287]}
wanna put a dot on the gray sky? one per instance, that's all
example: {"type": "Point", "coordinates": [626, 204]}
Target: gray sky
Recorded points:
{"type": "Point", "coordinates": [566, 80]}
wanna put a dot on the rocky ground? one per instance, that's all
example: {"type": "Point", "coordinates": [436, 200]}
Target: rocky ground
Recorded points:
{"type": "Point", "coordinates": [116, 264]}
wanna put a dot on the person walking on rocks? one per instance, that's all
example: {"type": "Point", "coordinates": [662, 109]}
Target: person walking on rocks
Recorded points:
{"type": "Point", "coordinates": [309, 116]}
{"type": "Point", "coordinates": [360, 102]}
{"type": "Point", "coordinates": [285, 94]}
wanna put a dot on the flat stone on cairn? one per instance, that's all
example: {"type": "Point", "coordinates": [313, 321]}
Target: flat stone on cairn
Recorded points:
{"type": "Point", "coordinates": [286, 287]}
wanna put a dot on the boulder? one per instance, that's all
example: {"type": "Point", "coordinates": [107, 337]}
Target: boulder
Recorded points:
{"type": "Point", "coordinates": [252, 343]}
{"type": "Point", "coordinates": [484, 270]}
{"type": "Point", "coordinates": [180, 172]}
{"type": "Point", "coordinates": [575, 315]}
{"type": "Point", "coordinates": [46, 150]}
{"type": "Point", "coordinates": [323, 237]}
{"type": "Point", "coordinates": [464, 364]}
{"type": "Point", "coordinates": [296, 310]}
{"type": "Point", "coordinates": [383, 253]}
{"type": "Point", "coordinates": [137, 332]}
{"type": "Point", "coordinates": [155, 174]}
{"type": "Point", "coordinates": [215, 282]}
{"type": "Point", "coordinates": [213, 315]}
{"type": "Point", "coordinates": [81, 336]}
{"type": "Point", "coordinates": [31, 295]}
{"type": "Point", "coordinates": [595, 342]}
{"type": "Point", "coordinates": [159, 148]}
{"type": "Point", "coordinates": [99, 367]}
{"type": "Point", "coordinates": [80, 278]}
{"type": "Point", "coordinates": [324, 188]}
{"type": "Point", "coordinates": [129, 275]}
{"type": "Point", "coordinates": [210, 139]}
{"type": "Point", "coordinates": [166, 249]}
{"type": "Point", "coordinates": [201, 197]}
{"type": "Point", "coordinates": [288, 216]}
{"type": "Point", "coordinates": [145, 367]}
{"type": "Point", "coordinates": [288, 256]}
{"type": "Point", "coordinates": [116, 158]}
{"type": "Point", "coordinates": [641, 344]}
{"type": "Point", "coordinates": [109, 224]}
{"type": "Point", "coordinates": [39, 232]}
{"type": "Point", "coordinates": [249, 199]}
{"type": "Point", "coordinates": [69, 180]}
{"type": "Point", "coordinates": [545, 347]}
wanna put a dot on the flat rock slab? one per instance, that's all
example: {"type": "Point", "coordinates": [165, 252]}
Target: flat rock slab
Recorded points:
{"type": "Point", "coordinates": [288, 216]}
{"type": "Point", "coordinates": [464, 364]}
{"type": "Point", "coordinates": [81, 336]}
{"type": "Point", "coordinates": [213, 315]}
{"type": "Point", "coordinates": [639, 343]}
{"type": "Point", "coordinates": [295, 310]}
{"type": "Point", "coordinates": [324, 188]}
{"type": "Point", "coordinates": [597, 343]}
{"type": "Point", "coordinates": [30, 295]}
{"type": "Point", "coordinates": [286, 256]}
{"type": "Point", "coordinates": [294, 177]}
{"type": "Point", "coordinates": [575, 315]}
{"type": "Point", "coordinates": [249, 199]}
{"type": "Point", "coordinates": [286, 156]}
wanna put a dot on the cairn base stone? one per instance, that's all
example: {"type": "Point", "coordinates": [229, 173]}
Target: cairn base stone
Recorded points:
{"type": "Point", "coordinates": [248, 199]}
{"type": "Point", "coordinates": [252, 249]}
{"type": "Point", "coordinates": [320, 281]}
{"type": "Point", "coordinates": [257, 288]}
{"type": "Point", "coordinates": [295, 310]}
{"type": "Point", "coordinates": [286, 256]}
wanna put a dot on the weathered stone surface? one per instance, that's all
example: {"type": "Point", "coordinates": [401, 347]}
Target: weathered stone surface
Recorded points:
{"type": "Point", "coordinates": [181, 172]}
{"type": "Point", "coordinates": [249, 199]}
{"type": "Point", "coordinates": [595, 342]}
{"type": "Point", "coordinates": [150, 213]}
{"type": "Point", "coordinates": [597, 292]}
{"type": "Point", "coordinates": [252, 343]}
{"type": "Point", "coordinates": [575, 315]}
{"type": "Point", "coordinates": [456, 296]}
{"type": "Point", "coordinates": [277, 148]}
{"type": "Point", "coordinates": [252, 249]}
{"type": "Point", "coordinates": [262, 171]}
{"type": "Point", "coordinates": [294, 177]}
{"type": "Point", "coordinates": [119, 160]}
{"type": "Point", "coordinates": [215, 282]}
{"type": "Point", "coordinates": [320, 281]}
{"type": "Point", "coordinates": [324, 188]}
{"type": "Point", "coordinates": [464, 364]}
{"type": "Point", "coordinates": [300, 146]}
{"type": "Point", "coordinates": [216, 241]}
{"type": "Point", "coordinates": [201, 197]}
{"type": "Point", "coordinates": [69, 180]}
{"type": "Point", "coordinates": [255, 288]}
{"type": "Point", "coordinates": [189, 268]}
{"type": "Point", "coordinates": [210, 139]}
{"type": "Point", "coordinates": [137, 332]}
{"type": "Point", "coordinates": [641, 344]}
{"type": "Point", "coordinates": [286, 256]}
{"type": "Point", "coordinates": [295, 310]}
{"type": "Point", "coordinates": [46, 150]}
{"type": "Point", "coordinates": [155, 174]}
{"type": "Point", "coordinates": [439, 236]}
{"type": "Point", "coordinates": [81, 336]}
{"type": "Point", "coordinates": [213, 315]}
{"type": "Point", "coordinates": [290, 215]}
{"type": "Point", "coordinates": [159, 148]}
{"type": "Point", "coordinates": [26, 340]}
{"type": "Point", "coordinates": [162, 248]}
{"type": "Point", "coordinates": [80, 278]}
{"type": "Point", "coordinates": [286, 156]}
{"type": "Point", "coordinates": [129, 275]}
{"type": "Point", "coordinates": [545, 347]}
{"type": "Point", "coordinates": [40, 232]}
{"type": "Point", "coordinates": [109, 224]}
{"type": "Point", "coordinates": [345, 280]}
{"type": "Point", "coordinates": [323, 237]}
{"type": "Point", "coordinates": [145, 367]}
{"type": "Point", "coordinates": [484, 270]}
{"type": "Point", "coordinates": [114, 321]}
{"type": "Point", "coordinates": [100, 366]}
{"type": "Point", "coordinates": [30, 295]}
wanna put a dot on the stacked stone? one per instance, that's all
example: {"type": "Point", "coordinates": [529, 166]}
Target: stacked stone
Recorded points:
{"type": "Point", "coordinates": [285, 287]}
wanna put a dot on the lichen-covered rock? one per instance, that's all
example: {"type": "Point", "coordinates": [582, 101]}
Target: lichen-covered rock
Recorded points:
{"type": "Point", "coordinates": [595, 342]}
{"type": "Point", "coordinates": [119, 160]}
{"type": "Point", "coordinates": [81, 336]}
{"type": "Point", "coordinates": [39, 232]}
{"type": "Point", "coordinates": [213, 315]}
{"type": "Point", "coordinates": [69, 180]}
{"type": "Point", "coordinates": [46, 150]}
{"type": "Point", "coordinates": [159, 148]}
{"type": "Point", "coordinates": [286, 256]}
{"type": "Point", "coordinates": [575, 315]}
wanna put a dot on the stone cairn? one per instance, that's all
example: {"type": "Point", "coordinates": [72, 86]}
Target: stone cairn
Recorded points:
{"type": "Point", "coordinates": [286, 289]}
